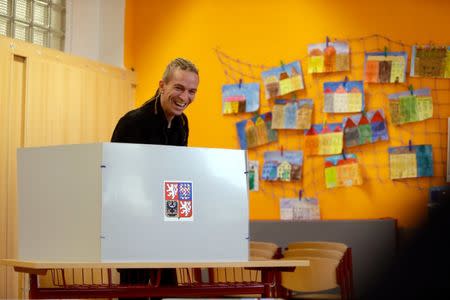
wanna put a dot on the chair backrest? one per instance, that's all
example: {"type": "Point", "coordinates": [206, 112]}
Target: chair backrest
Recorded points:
{"type": "Point", "coordinates": [263, 245]}
{"type": "Point", "coordinates": [318, 245]}
{"type": "Point", "coordinates": [318, 276]}
{"type": "Point", "coordinates": [326, 253]}
{"type": "Point", "coordinates": [268, 254]}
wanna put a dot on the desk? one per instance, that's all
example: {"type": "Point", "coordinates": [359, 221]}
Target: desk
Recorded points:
{"type": "Point", "coordinates": [267, 286]}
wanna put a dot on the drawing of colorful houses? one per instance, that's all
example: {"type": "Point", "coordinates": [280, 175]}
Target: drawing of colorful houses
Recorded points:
{"type": "Point", "coordinates": [269, 171]}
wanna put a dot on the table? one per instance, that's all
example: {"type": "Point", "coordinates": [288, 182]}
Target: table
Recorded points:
{"type": "Point", "coordinates": [266, 286]}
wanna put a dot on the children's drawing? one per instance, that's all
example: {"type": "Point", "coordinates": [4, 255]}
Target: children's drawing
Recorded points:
{"type": "Point", "coordinates": [342, 170]}
{"type": "Point", "coordinates": [253, 175]}
{"type": "Point", "coordinates": [292, 114]}
{"type": "Point", "coordinates": [240, 98]}
{"type": "Point", "coordinates": [411, 106]}
{"type": "Point", "coordinates": [256, 131]}
{"type": "Point", "coordinates": [328, 57]}
{"type": "Point", "coordinates": [410, 161]}
{"type": "Point", "coordinates": [385, 67]}
{"type": "Point", "coordinates": [343, 96]}
{"type": "Point", "coordinates": [303, 209]}
{"type": "Point", "coordinates": [365, 128]}
{"type": "Point", "coordinates": [324, 139]}
{"type": "Point", "coordinates": [282, 165]}
{"type": "Point", "coordinates": [283, 80]}
{"type": "Point", "coordinates": [430, 61]}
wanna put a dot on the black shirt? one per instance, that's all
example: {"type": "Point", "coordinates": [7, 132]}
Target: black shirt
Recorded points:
{"type": "Point", "coordinates": [148, 125]}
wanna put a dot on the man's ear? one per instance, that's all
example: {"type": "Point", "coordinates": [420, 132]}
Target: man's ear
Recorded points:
{"type": "Point", "coordinates": [161, 86]}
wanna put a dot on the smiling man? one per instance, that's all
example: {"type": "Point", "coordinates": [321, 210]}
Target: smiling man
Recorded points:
{"type": "Point", "coordinates": [161, 120]}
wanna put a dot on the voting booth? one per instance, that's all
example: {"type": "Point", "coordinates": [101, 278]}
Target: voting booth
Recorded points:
{"type": "Point", "coordinates": [112, 202]}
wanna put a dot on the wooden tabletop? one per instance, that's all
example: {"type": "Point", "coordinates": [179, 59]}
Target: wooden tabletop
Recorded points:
{"type": "Point", "coordinates": [151, 265]}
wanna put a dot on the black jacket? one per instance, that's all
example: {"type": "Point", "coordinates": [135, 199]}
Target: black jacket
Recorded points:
{"type": "Point", "coordinates": [148, 125]}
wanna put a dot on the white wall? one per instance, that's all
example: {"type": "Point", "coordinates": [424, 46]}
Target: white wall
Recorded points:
{"type": "Point", "coordinates": [95, 30]}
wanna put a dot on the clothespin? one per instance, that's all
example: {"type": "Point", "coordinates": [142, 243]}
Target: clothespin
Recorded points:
{"type": "Point", "coordinates": [240, 83]}
{"type": "Point", "coordinates": [411, 89]}
{"type": "Point", "coordinates": [282, 64]}
{"type": "Point", "coordinates": [385, 51]}
{"type": "Point", "coordinates": [327, 41]}
{"type": "Point", "coordinates": [281, 150]}
{"type": "Point", "coordinates": [345, 80]}
{"type": "Point", "coordinates": [343, 154]}
{"type": "Point", "coordinates": [410, 146]}
{"type": "Point", "coordinates": [300, 193]}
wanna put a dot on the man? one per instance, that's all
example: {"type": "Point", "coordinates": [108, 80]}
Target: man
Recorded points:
{"type": "Point", "coordinates": [161, 121]}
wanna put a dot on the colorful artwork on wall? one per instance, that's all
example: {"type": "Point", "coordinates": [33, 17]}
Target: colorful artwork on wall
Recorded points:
{"type": "Point", "coordinates": [253, 175]}
{"type": "Point", "coordinates": [328, 57]}
{"type": "Point", "coordinates": [411, 106]}
{"type": "Point", "coordinates": [324, 139]}
{"type": "Point", "coordinates": [240, 98]}
{"type": "Point", "coordinates": [282, 165]}
{"type": "Point", "coordinates": [365, 128]}
{"type": "Point", "coordinates": [385, 67]}
{"type": "Point", "coordinates": [342, 171]}
{"type": "Point", "coordinates": [343, 96]}
{"type": "Point", "coordinates": [256, 131]}
{"type": "Point", "coordinates": [303, 209]}
{"type": "Point", "coordinates": [283, 80]}
{"type": "Point", "coordinates": [430, 61]}
{"type": "Point", "coordinates": [411, 161]}
{"type": "Point", "coordinates": [292, 114]}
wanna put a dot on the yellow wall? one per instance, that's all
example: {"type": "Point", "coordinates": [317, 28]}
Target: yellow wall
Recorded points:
{"type": "Point", "coordinates": [265, 32]}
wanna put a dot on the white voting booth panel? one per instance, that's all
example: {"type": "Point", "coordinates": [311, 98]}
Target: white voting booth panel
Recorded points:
{"type": "Point", "coordinates": [107, 202]}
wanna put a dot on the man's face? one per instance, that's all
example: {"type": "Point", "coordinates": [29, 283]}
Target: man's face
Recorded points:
{"type": "Point", "coordinates": [178, 92]}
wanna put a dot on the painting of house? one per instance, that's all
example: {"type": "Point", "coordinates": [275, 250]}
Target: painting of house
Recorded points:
{"type": "Point", "coordinates": [282, 165]}
{"type": "Point", "coordinates": [365, 128]}
{"type": "Point", "coordinates": [256, 131]}
{"type": "Point", "coordinates": [240, 98]}
{"type": "Point", "coordinates": [283, 80]}
{"type": "Point", "coordinates": [328, 57]}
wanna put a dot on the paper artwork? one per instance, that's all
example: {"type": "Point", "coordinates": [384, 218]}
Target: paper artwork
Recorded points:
{"type": "Point", "coordinates": [323, 58]}
{"type": "Point", "coordinates": [411, 106]}
{"type": "Point", "coordinates": [324, 139]}
{"type": "Point", "coordinates": [366, 128]}
{"type": "Point", "coordinates": [282, 166]}
{"type": "Point", "coordinates": [303, 209]}
{"type": "Point", "coordinates": [430, 61]}
{"type": "Point", "coordinates": [256, 131]}
{"type": "Point", "coordinates": [411, 162]}
{"type": "Point", "coordinates": [342, 170]}
{"type": "Point", "coordinates": [343, 96]}
{"type": "Point", "coordinates": [292, 114]}
{"type": "Point", "coordinates": [178, 201]}
{"type": "Point", "coordinates": [283, 80]}
{"type": "Point", "coordinates": [253, 175]}
{"type": "Point", "coordinates": [240, 98]}
{"type": "Point", "coordinates": [385, 67]}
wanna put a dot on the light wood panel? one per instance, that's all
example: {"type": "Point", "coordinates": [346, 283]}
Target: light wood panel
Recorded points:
{"type": "Point", "coordinates": [49, 98]}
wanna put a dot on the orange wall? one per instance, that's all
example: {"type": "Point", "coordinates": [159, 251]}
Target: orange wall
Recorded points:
{"type": "Point", "coordinates": [265, 32]}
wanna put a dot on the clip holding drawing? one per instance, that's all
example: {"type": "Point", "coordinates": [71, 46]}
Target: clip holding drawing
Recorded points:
{"type": "Point", "coordinates": [385, 51]}
{"type": "Point", "coordinates": [411, 89]}
{"type": "Point", "coordinates": [410, 146]}
{"type": "Point", "coordinates": [300, 194]}
{"type": "Point", "coordinates": [240, 83]}
{"type": "Point", "coordinates": [345, 80]}
{"type": "Point", "coordinates": [327, 41]}
{"type": "Point", "coordinates": [343, 155]}
{"type": "Point", "coordinates": [281, 151]}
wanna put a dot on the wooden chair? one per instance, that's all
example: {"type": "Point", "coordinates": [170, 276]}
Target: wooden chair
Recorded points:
{"type": "Point", "coordinates": [305, 282]}
{"type": "Point", "coordinates": [346, 267]}
{"type": "Point", "coordinates": [268, 254]}
{"type": "Point", "coordinates": [266, 246]}
{"type": "Point", "coordinates": [333, 254]}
